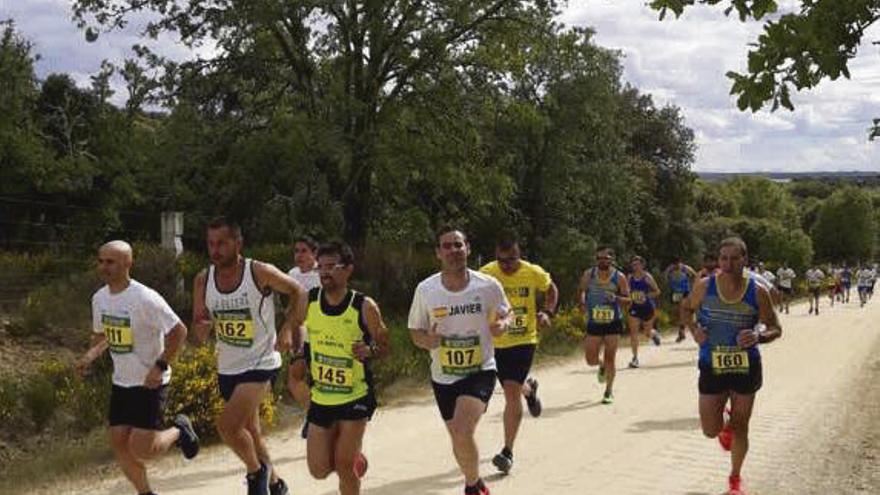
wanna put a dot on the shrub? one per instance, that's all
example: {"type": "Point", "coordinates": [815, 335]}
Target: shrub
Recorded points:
{"type": "Point", "coordinates": [40, 400]}
{"type": "Point", "coordinates": [193, 391]}
{"type": "Point", "coordinates": [9, 394]}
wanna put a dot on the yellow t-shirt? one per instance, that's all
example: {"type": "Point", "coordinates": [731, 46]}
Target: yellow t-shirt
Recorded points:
{"type": "Point", "coordinates": [521, 288]}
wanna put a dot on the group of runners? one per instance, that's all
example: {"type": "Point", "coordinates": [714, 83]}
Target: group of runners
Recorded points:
{"type": "Point", "coordinates": [479, 326]}
{"type": "Point", "coordinates": [838, 284]}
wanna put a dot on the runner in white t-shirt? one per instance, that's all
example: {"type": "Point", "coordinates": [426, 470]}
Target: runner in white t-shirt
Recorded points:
{"type": "Point", "coordinates": [143, 335]}
{"type": "Point", "coordinates": [785, 279]}
{"type": "Point", "coordinates": [306, 273]}
{"type": "Point", "coordinates": [815, 278]}
{"type": "Point", "coordinates": [454, 315]}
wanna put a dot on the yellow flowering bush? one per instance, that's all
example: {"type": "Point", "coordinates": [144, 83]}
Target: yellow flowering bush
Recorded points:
{"type": "Point", "coordinates": [193, 391]}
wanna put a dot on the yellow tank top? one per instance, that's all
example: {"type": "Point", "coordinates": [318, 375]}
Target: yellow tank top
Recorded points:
{"type": "Point", "coordinates": [337, 377]}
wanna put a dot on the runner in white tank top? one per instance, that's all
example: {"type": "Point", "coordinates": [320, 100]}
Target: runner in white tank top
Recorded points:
{"type": "Point", "coordinates": [234, 298]}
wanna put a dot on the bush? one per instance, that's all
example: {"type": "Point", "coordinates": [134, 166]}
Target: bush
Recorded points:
{"type": "Point", "coordinates": [9, 394]}
{"type": "Point", "coordinates": [193, 391]}
{"type": "Point", "coordinates": [564, 335]}
{"type": "Point", "coordinates": [40, 400]}
{"type": "Point", "coordinates": [61, 311]}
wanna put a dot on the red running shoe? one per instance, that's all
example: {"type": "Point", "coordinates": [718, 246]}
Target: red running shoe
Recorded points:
{"type": "Point", "coordinates": [725, 436]}
{"type": "Point", "coordinates": [735, 484]}
{"type": "Point", "coordinates": [360, 465]}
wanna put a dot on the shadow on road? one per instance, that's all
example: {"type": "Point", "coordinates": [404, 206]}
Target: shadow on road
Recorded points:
{"type": "Point", "coordinates": [679, 424]}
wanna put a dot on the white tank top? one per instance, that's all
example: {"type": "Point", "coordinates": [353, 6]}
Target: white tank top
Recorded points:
{"type": "Point", "coordinates": [244, 322]}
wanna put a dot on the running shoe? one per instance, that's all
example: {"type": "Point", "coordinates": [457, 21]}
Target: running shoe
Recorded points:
{"type": "Point", "coordinates": [655, 336]}
{"type": "Point", "coordinates": [503, 462]}
{"type": "Point", "coordinates": [188, 441]}
{"type": "Point", "coordinates": [735, 485]}
{"type": "Point", "coordinates": [634, 363]}
{"type": "Point", "coordinates": [278, 488]}
{"type": "Point", "coordinates": [680, 337]}
{"type": "Point", "coordinates": [725, 436]}
{"type": "Point", "coordinates": [601, 374]}
{"type": "Point", "coordinates": [360, 465]}
{"type": "Point", "coordinates": [608, 398]}
{"type": "Point", "coordinates": [258, 482]}
{"type": "Point", "coordinates": [532, 400]}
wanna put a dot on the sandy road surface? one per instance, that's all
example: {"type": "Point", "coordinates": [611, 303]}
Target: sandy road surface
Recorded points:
{"type": "Point", "coordinates": [647, 442]}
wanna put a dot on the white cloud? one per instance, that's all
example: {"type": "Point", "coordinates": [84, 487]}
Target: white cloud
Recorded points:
{"type": "Point", "coordinates": [679, 61]}
{"type": "Point", "coordinates": [684, 62]}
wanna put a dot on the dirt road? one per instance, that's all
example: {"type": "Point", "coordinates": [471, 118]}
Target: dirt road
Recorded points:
{"type": "Point", "coordinates": [649, 441]}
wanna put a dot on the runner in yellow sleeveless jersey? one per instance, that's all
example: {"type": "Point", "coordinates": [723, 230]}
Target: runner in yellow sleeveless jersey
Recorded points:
{"type": "Point", "coordinates": [346, 333]}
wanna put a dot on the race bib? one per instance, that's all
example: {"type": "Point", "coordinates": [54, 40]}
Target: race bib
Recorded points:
{"type": "Point", "coordinates": [234, 327]}
{"type": "Point", "coordinates": [333, 375]}
{"type": "Point", "coordinates": [727, 360]}
{"type": "Point", "coordinates": [118, 332]}
{"type": "Point", "coordinates": [602, 314]}
{"type": "Point", "coordinates": [677, 297]}
{"type": "Point", "coordinates": [460, 356]}
{"type": "Point", "coordinates": [638, 297]}
{"type": "Point", "coordinates": [519, 324]}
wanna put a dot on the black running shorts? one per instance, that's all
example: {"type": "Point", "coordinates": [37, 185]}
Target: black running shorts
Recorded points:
{"type": "Point", "coordinates": [138, 407]}
{"type": "Point", "coordinates": [479, 385]}
{"type": "Point", "coordinates": [326, 416]}
{"type": "Point", "coordinates": [642, 312]}
{"type": "Point", "coordinates": [227, 383]}
{"type": "Point", "coordinates": [514, 363]}
{"type": "Point", "coordinates": [597, 330]}
{"type": "Point", "coordinates": [744, 384]}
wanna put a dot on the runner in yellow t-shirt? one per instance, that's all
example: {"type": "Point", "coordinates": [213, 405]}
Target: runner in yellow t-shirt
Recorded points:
{"type": "Point", "coordinates": [514, 350]}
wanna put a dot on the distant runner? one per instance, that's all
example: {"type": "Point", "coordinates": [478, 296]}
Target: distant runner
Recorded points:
{"type": "Point", "coordinates": [785, 279]}
{"type": "Point", "coordinates": [815, 278]}
{"type": "Point", "coordinates": [643, 291]}
{"type": "Point", "coordinates": [680, 278]}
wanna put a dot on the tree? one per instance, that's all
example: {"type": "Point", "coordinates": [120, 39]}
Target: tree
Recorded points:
{"type": "Point", "coordinates": [797, 50]}
{"type": "Point", "coordinates": [347, 63]}
{"type": "Point", "coordinates": [845, 228]}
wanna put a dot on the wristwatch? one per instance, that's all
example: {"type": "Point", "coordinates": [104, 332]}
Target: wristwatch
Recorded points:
{"type": "Point", "coordinates": [161, 364]}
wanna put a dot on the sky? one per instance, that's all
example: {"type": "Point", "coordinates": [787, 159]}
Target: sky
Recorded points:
{"type": "Point", "coordinates": [680, 62]}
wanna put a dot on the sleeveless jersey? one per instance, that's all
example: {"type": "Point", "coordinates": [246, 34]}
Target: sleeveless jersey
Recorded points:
{"type": "Point", "coordinates": [678, 281]}
{"type": "Point", "coordinates": [723, 320]}
{"type": "Point", "coordinates": [639, 290]}
{"type": "Point", "coordinates": [601, 311]}
{"type": "Point", "coordinates": [337, 376]}
{"type": "Point", "coordinates": [244, 322]}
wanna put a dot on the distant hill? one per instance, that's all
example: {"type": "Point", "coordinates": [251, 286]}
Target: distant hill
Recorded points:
{"type": "Point", "coordinates": [854, 176]}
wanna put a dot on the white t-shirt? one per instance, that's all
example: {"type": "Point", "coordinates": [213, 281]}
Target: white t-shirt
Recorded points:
{"type": "Point", "coordinates": [309, 280]}
{"type": "Point", "coordinates": [463, 319]}
{"type": "Point", "coordinates": [135, 322]}
{"type": "Point", "coordinates": [865, 277]}
{"type": "Point", "coordinates": [768, 275]}
{"type": "Point", "coordinates": [815, 277]}
{"type": "Point", "coordinates": [785, 276]}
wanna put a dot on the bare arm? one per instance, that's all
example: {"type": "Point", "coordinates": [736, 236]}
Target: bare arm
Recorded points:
{"type": "Point", "coordinates": [655, 289]}
{"type": "Point", "coordinates": [96, 348]}
{"type": "Point", "coordinates": [378, 331]}
{"type": "Point", "coordinates": [174, 341]}
{"type": "Point", "coordinates": [623, 290]}
{"type": "Point", "coordinates": [768, 317]}
{"type": "Point", "coordinates": [582, 290]}
{"type": "Point", "coordinates": [424, 338]}
{"type": "Point", "coordinates": [201, 317]}
{"type": "Point", "coordinates": [295, 314]}
{"type": "Point", "coordinates": [689, 307]}
{"type": "Point", "coordinates": [551, 298]}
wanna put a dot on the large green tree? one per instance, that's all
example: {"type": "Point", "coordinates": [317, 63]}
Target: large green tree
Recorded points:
{"type": "Point", "coordinates": [845, 227]}
{"type": "Point", "coordinates": [347, 64]}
